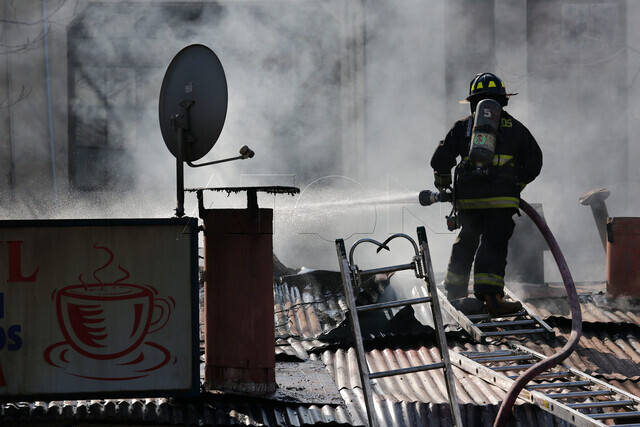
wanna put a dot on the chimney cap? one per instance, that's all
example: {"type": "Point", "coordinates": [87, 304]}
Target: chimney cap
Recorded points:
{"type": "Point", "coordinates": [595, 196]}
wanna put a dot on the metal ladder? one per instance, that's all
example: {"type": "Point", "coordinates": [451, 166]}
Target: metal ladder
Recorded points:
{"type": "Point", "coordinates": [568, 393]}
{"type": "Point", "coordinates": [420, 264]}
{"type": "Point", "coordinates": [482, 327]}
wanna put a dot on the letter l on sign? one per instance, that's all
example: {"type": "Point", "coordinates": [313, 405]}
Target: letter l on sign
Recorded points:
{"type": "Point", "coordinates": [15, 264]}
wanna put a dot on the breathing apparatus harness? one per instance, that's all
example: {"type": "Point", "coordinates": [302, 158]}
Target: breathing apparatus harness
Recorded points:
{"type": "Point", "coordinates": [482, 129]}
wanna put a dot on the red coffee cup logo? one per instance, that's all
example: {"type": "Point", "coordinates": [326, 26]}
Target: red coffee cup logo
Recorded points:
{"type": "Point", "coordinates": [106, 326]}
{"type": "Point", "coordinates": [106, 321]}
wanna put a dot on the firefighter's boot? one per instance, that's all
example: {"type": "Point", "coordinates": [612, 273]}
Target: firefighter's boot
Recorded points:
{"type": "Point", "coordinates": [497, 307]}
{"type": "Point", "coordinates": [468, 305]}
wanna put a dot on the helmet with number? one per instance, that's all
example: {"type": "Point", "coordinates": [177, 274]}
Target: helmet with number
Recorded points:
{"type": "Point", "coordinates": [487, 85]}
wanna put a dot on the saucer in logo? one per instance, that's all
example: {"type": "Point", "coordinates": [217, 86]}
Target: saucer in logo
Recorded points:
{"type": "Point", "coordinates": [143, 361]}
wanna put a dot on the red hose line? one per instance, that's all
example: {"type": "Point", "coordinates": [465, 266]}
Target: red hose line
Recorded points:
{"type": "Point", "coordinates": [576, 321]}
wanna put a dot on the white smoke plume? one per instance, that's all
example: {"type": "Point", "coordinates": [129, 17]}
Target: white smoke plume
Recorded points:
{"type": "Point", "coordinates": [344, 99]}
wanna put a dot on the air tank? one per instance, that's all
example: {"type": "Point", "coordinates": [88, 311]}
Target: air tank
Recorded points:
{"type": "Point", "coordinates": [486, 123]}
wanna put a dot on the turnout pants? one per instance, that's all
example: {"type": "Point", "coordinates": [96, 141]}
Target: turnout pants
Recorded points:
{"type": "Point", "coordinates": [484, 237]}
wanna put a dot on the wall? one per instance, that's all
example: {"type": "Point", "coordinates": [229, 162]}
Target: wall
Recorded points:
{"type": "Point", "coordinates": [34, 143]}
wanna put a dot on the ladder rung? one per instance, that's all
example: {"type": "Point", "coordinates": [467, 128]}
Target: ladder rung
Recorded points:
{"type": "Point", "coordinates": [473, 317]}
{"type": "Point", "coordinates": [512, 368]}
{"type": "Point", "coordinates": [390, 269]}
{"type": "Point", "coordinates": [513, 358]}
{"type": "Point", "coordinates": [615, 415]}
{"type": "Point", "coordinates": [392, 304]}
{"type": "Point", "coordinates": [403, 371]}
{"type": "Point", "coordinates": [546, 376]}
{"type": "Point", "coordinates": [577, 394]}
{"type": "Point", "coordinates": [479, 354]}
{"type": "Point", "coordinates": [478, 317]}
{"type": "Point", "coordinates": [603, 404]}
{"type": "Point", "coordinates": [507, 323]}
{"type": "Point", "coordinates": [559, 385]}
{"type": "Point", "coordinates": [515, 332]}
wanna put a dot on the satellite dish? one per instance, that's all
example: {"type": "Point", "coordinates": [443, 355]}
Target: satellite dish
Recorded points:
{"type": "Point", "coordinates": [193, 97]}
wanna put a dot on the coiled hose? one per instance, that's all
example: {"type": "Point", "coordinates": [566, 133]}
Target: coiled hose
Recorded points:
{"type": "Point", "coordinates": [576, 321]}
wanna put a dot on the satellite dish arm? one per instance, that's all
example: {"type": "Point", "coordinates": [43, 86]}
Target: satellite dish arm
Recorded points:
{"type": "Point", "coordinates": [245, 153]}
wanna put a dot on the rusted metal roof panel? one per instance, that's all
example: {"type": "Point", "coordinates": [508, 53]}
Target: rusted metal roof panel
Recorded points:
{"type": "Point", "coordinates": [595, 309]}
{"type": "Point", "coordinates": [306, 312]}
{"type": "Point", "coordinates": [302, 314]}
{"type": "Point", "coordinates": [607, 353]}
{"type": "Point", "coordinates": [295, 348]}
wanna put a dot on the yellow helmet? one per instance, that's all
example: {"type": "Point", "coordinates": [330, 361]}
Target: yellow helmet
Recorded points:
{"type": "Point", "coordinates": [487, 83]}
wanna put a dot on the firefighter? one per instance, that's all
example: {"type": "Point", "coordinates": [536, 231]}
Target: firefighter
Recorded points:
{"type": "Point", "coordinates": [485, 198]}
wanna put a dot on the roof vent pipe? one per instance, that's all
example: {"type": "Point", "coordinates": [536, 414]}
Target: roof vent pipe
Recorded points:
{"type": "Point", "coordinates": [595, 199]}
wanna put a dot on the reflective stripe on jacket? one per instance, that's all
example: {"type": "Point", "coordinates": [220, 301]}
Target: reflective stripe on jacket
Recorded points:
{"type": "Point", "coordinates": [488, 203]}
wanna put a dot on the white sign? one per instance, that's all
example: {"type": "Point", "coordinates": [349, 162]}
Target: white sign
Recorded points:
{"type": "Point", "coordinates": [99, 308]}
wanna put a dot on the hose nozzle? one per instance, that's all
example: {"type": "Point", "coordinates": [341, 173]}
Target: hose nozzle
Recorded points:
{"type": "Point", "coordinates": [428, 197]}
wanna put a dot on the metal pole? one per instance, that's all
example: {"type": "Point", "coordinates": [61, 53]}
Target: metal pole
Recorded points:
{"type": "Point", "coordinates": [180, 174]}
{"type": "Point", "coordinates": [12, 164]}
{"type": "Point", "coordinates": [49, 109]}
{"type": "Point", "coordinates": [354, 321]}
{"type": "Point", "coordinates": [441, 338]}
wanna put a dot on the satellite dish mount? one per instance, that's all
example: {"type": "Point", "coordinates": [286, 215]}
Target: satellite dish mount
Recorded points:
{"type": "Point", "coordinates": [192, 110]}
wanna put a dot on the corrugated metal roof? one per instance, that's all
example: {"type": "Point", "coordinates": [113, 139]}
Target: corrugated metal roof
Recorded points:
{"type": "Point", "coordinates": [413, 399]}
{"type": "Point", "coordinates": [310, 315]}
{"type": "Point", "coordinates": [234, 411]}
{"type": "Point", "coordinates": [427, 387]}
{"type": "Point", "coordinates": [308, 320]}
{"type": "Point", "coordinates": [420, 398]}
{"type": "Point", "coordinates": [595, 309]}
{"type": "Point", "coordinates": [610, 354]}
{"type": "Point", "coordinates": [261, 414]}
{"type": "Point", "coordinates": [303, 311]}
{"type": "Point", "coordinates": [310, 326]}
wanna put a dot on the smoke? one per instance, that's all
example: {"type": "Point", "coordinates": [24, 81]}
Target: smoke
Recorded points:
{"type": "Point", "coordinates": [344, 99]}
{"type": "Point", "coordinates": [576, 105]}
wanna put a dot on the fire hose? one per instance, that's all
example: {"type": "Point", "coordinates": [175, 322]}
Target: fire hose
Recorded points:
{"type": "Point", "coordinates": [427, 198]}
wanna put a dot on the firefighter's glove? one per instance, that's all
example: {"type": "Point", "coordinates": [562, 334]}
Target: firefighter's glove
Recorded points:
{"type": "Point", "coordinates": [442, 181]}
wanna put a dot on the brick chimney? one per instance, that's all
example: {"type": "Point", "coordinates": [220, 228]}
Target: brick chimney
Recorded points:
{"type": "Point", "coordinates": [623, 253]}
{"type": "Point", "coordinates": [239, 331]}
